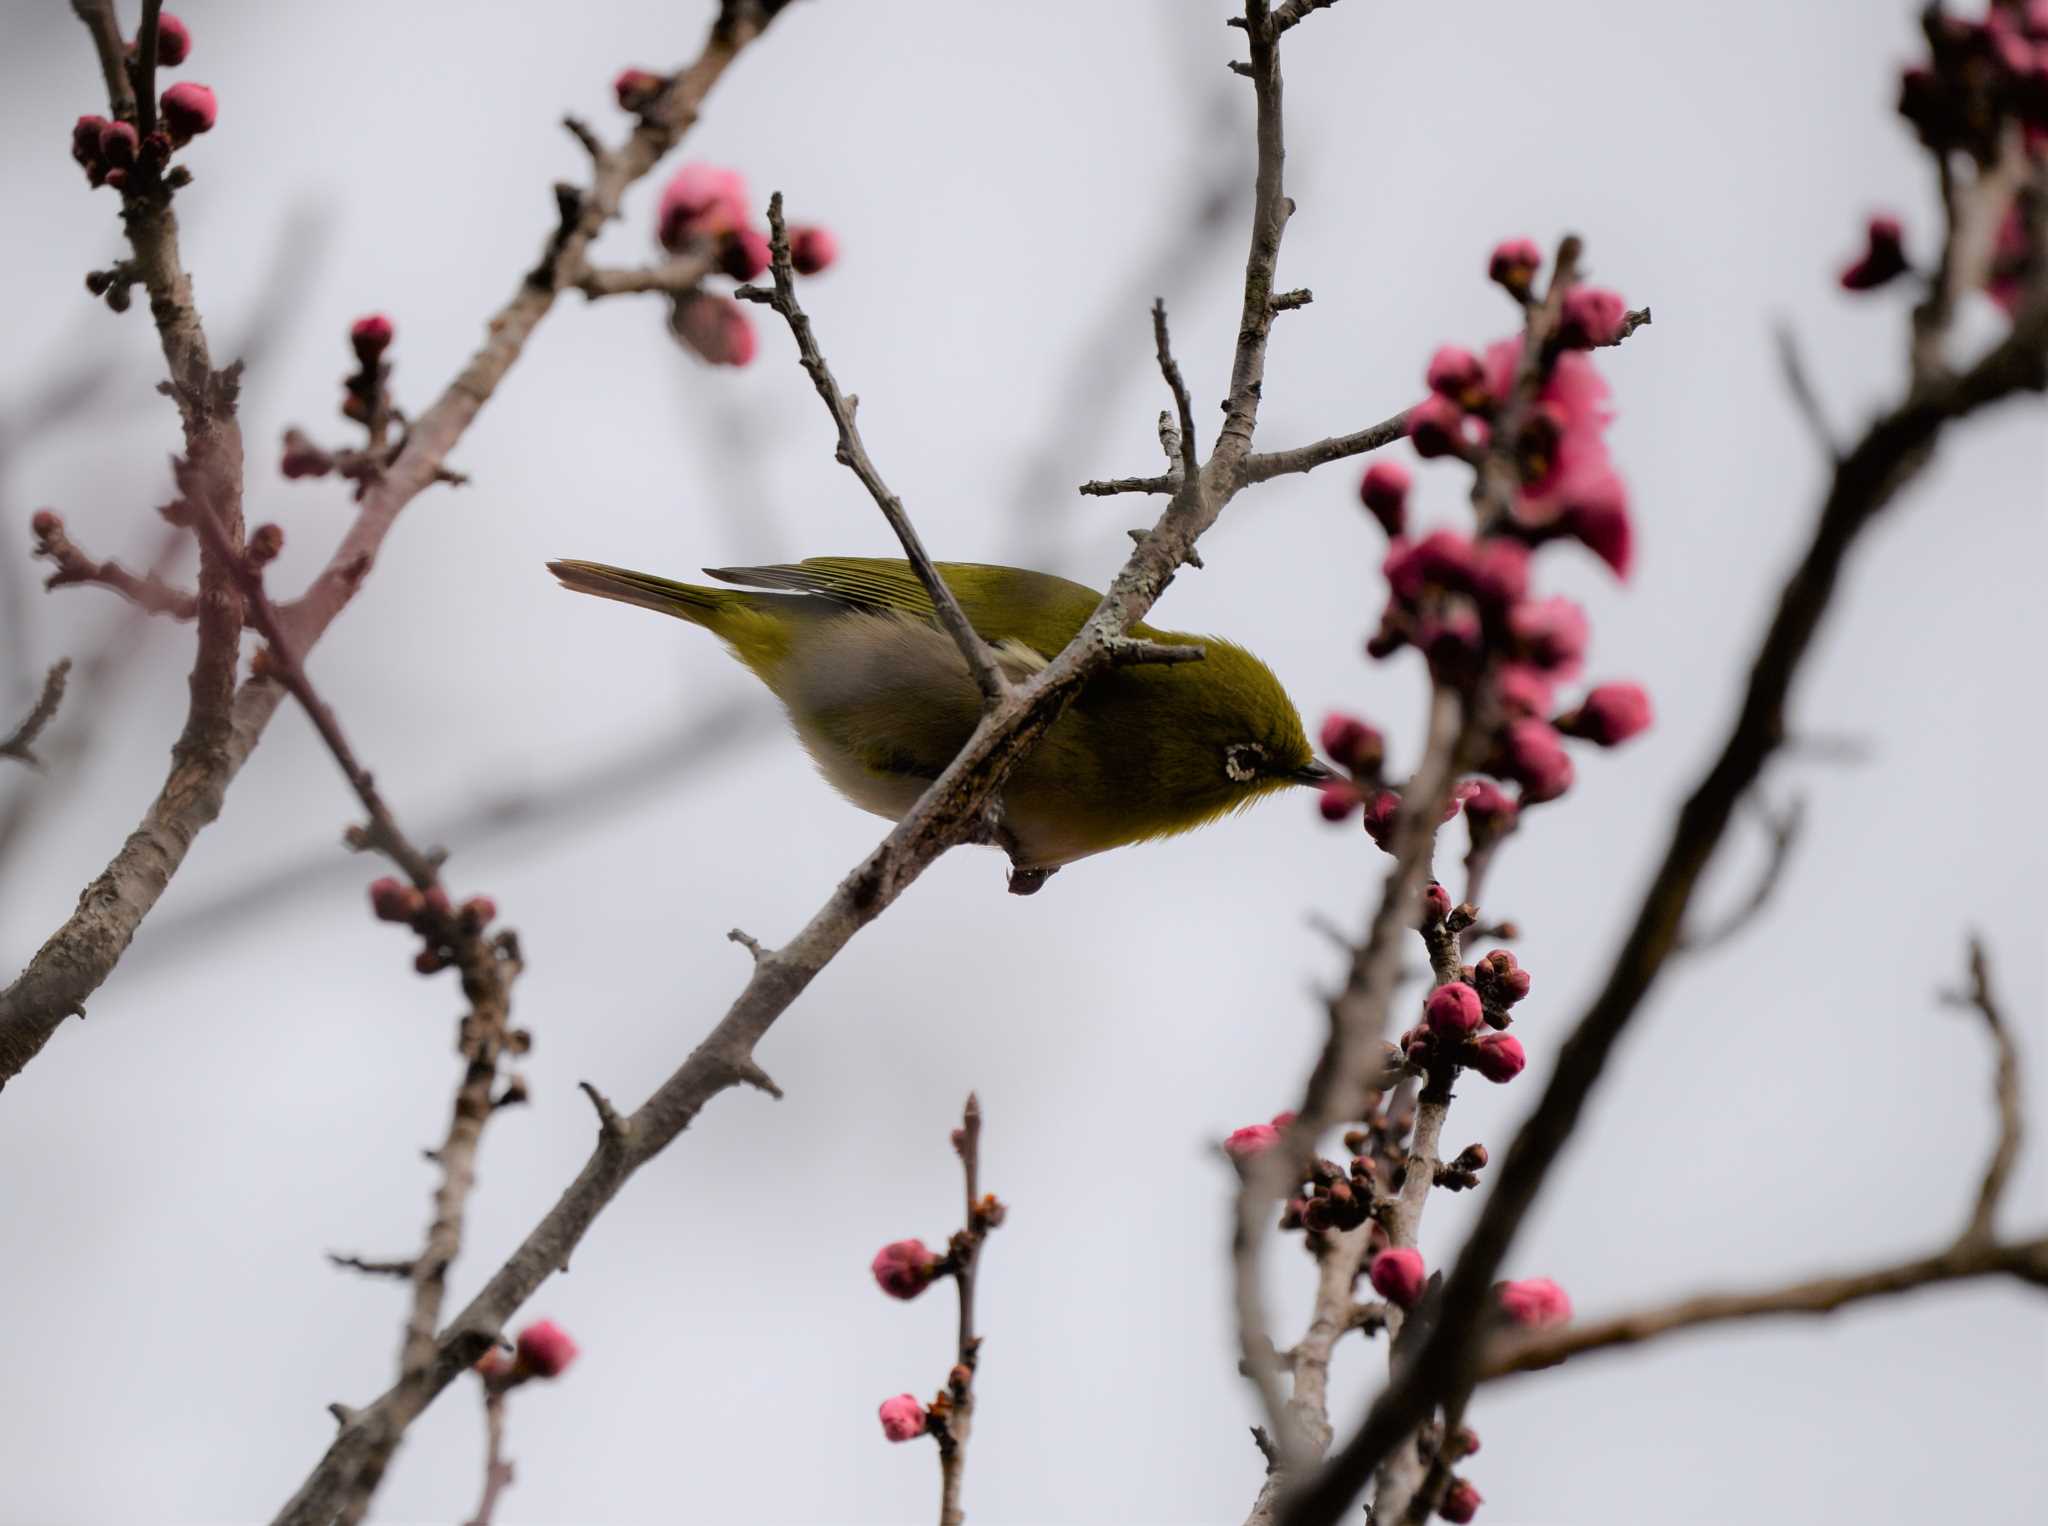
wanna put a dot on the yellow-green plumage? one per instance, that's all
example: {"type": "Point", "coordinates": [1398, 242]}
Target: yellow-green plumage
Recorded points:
{"type": "Point", "coordinates": [881, 698]}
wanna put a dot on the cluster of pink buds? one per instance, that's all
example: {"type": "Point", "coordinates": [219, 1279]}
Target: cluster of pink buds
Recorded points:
{"type": "Point", "coordinates": [369, 336]}
{"type": "Point", "coordinates": [543, 1350]}
{"type": "Point", "coordinates": [115, 153]}
{"type": "Point", "coordinates": [1982, 80]}
{"type": "Point", "coordinates": [707, 208]}
{"type": "Point", "coordinates": [430, 914]}
{"type": "Point", "coordinates": [1454, 1015]}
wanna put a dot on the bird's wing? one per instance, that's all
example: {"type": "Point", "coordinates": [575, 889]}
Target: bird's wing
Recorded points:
{"type": "Point", "coordinates": [861, 582]}
{"type": "Point", "coordinates": [1008, 605]}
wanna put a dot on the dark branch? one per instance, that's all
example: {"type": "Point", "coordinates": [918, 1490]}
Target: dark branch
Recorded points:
{"type": "Point", "coordinates": [20, 744]}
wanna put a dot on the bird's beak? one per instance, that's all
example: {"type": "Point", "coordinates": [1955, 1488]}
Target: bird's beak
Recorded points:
{"type": "Point", "coordinates": [1313, 773]}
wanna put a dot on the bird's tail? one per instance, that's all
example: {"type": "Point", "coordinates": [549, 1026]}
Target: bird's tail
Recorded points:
{"type": "Point", "coordinates": [686, 601]}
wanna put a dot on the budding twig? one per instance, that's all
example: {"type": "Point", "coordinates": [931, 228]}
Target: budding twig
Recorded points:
{"type": "Point", "coordinates": [20, 744]}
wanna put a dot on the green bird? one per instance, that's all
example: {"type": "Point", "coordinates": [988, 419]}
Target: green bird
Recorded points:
{"type": "Point", "coordinates": [882, 700]}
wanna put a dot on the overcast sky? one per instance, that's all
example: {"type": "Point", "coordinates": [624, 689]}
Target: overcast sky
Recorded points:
{"type": "Point", "coordinates": [253, 1087]}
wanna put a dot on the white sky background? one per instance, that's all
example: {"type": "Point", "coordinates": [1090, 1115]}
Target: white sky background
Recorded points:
{"type": "Point", "coordinates": [244, 1099]}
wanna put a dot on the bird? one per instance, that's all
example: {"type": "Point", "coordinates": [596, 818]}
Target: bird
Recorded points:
{"type": "Point", "coordinates": [880, 696]}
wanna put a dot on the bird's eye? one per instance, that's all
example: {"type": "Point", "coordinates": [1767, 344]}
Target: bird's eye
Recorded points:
{"type": "Point", "coordinates": [1242, 761]}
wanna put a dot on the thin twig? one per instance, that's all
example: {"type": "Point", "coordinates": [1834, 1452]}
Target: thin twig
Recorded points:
{"type": "Point", "coordinates": [497, 1471]}
{"type": "Point", "coordinates": [1784, 827]}
{"type": "Point", "coordinates": [953, 1425]}
{"type": "Point", "coordinates": [20, 744]}
{"type": "Point", "coordinates": [1799, 382]}
{"type": "Point", "coordinates": [1190, 451]}
{"type": "Point", "coordinates": [672, 278]}
{"type": "Point", "coordinates": [1306, 458]}
{"type": "Point", "coordinates": [2005, 1093]}
{"type": "Point", "coordinates": [147, 592]}
{"type": "Point", "coordinates": [853, 454]}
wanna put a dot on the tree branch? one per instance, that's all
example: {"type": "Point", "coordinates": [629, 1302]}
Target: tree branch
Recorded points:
{"type": "Point", "coordinates": [2005, 1094]}
{"type": "Point", "coordinates": [853, 454]}
{"type": "Point", "coordinates": [20, 744]}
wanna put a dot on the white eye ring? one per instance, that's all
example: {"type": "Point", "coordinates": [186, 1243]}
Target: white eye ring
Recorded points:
{"type": "Point", "coordinates": [1241, 762]}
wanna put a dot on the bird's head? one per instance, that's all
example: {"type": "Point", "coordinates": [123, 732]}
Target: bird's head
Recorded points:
{"type": "Point", "coordinates": [1227, 735]}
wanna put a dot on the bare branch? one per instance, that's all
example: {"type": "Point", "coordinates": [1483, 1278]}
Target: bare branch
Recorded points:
{"type": "Point", "coordinates": [20, 744]}
{"type": "Point", "coordinates": [951, 1424]}
{"type": "Point", "coordinates": [147, 592]}
{"type": "Point", "coordinates": [671, 278]}
{"type": "Point", "coordinates": [402, 1270]}
{"type": "Point", "coordinates": [1110, 486]}
{"type": "Point", "coordinates": [1306, 458]}
{"type": "Point", "coordinates": [2005, 1092]}
{"type": "Point", "coordinates": [853, 454]}
{"type": "Point", "coordinates": [1799, 382]}
{"type": "Point", "coordinates": [1190, 460]}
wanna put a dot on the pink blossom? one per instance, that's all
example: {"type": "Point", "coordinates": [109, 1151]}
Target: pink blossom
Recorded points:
{"type": "Point", "coordinates": [743, 254]}
{"type": "Point", "coordinates": [544, 1350]}
{"type": "Point", "coordinates": [1497, 1056]}
{"type": "Point", "coordinates": [1514, 264]}
{"type": "Point", "coordinates": [1452, 1010]}
{"type": "Point", "coordinates": [1436, 427]}
{"type": "Point", "coordinates": [1460, 1502]}
{"type": "Point", "coordinates": [1436, 903]}
{"type": "Point", "coordinates": [370, 336]}
{"type": "Point", "coordinates": [713, 326]}
{"type": "Point", "coordinates": [1595, 513]}
{"type": "Point", "coordinates": [1456, 373]}
{"type": "Point", "coordinates": [188, 110]}
{"type": "Point", "coordinates": [1399, 1276]}
{"type": "Point", "coordinates": [1609, 715]}
{"type": "Point", "coordinates": [1882, 259]}
{"type": "Point", "coordinates": [1590, 316]}
{"type": "Point", "coordinates": [1499, 571]}
{"type": "Point", "coordinates": [812, 249]}
{"type": "Point", "coordinates": [1338, 799]}
{"type": "Point", "coordinates": [903, 1417]}
{"type": "Point", "coordinates": [173, 41]}
{"type": "Point", "coordinates": [1552, 634]}
{"type": "Point", "coordinates": [1487, 806]}
{"type": "Point", "coordinates": [904, 1268]}
{"type": "Point", "coordinates": [1384, 492]}
{"type": "Point", "coordinates": [1522, 690]}
{"type": "Point", "coordinates": [1350, 743]}
{"type": "Point", "coordinates": [1534, 1302]}
{"type": "Point", "coordinates": [1534, 757]}
{"type": "Point", "coordinates": [1252, 1139]}
{"type": "Point", "coordinates": [701, 201]}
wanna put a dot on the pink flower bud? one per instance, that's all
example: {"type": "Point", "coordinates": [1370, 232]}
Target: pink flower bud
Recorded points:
{"type": "Point", "coordinates": [118, 143]}
{"type": "Point", "coordinates": [637, 89]}
{"type": "Point", "coordinates": [715, 327]}
{"type": "Point", "coordinates": [187, 110]}
{"type": "Point", "coordinates": [1590, 316]}
{"type": "Point", "coordinates": [478, 913]}
{"type": "Point", "coordinates": [1514, 264]}
{"type": "Point", "coordinates": [1350, 743]}
{"type": "Point", "coordinates": [1552, 634]}
{"type": "Point", "coordinates": [1535, 758]}
{"type": "Point", "coordinates": [85, 139]}
{"type": "Point", "coordinates": [173, 41]}
{"type": "Point", "coordinates": [1384, 492]}
{"type": "Point", "coordinates": [1452, 641]}
{"type": "Point", "coordinates": [1609, 715]}
{"type": "Point", "coordinates": [302, 458]}
{"type": "Point", "coordinates": [1883, 257]}
{"type": "Point", "coordinates": [265, 542]}
{"type": "Point", "coordinates": [1487, 806]}
{"type": "Point", "coordinates": [1398, 1276]}
{"type": "Point", "coordinates": [1460, 1502]}
{"type": "Point", "coordinates": [701, 201]}
{"type": "Point", "coordinates": [1534, 1302]}
{"type": "Point", "coordinates": [1379, 816]}
{"type": "Point", "coordinates": [395, 901]}
{"type": "Point", "coordinates": [544, 1350]}
{"type": "Point", "coordinates": [1500, 571]}
{"type": "Point", "coordinates": [1436, 902]}
{"type": "Point", "coordinates": [1522, 690]}
{"type": "Point", "coordinates": [44, 524]}
{"type": "Point", "coordinates": [1500, 979]}
{"type": "Point", "coordinates": [1252, 1139]}
{"type": "Point", "coordinates": [903, 1418]}
{"type": "Point", "coordinates": [1284, 1117]}
{"type": "Point", "coordinates": [1452, 1010]}
{"type": "Point", "coordinates": [371, 336]}
{"type": "Point", "coordinates": [1338, 799]}
{"type": "Point", "coordinates": [1455, 373]}
{"type": "Point", "coordinates": [1443, 558]}
{"type": "Point", "coordinates": [812, 250]}
{"type": "Point", "coordinates": [743, 254]}
{"type": "Point", "coordinates": [1436, 427]}
{"type": "Point", "coordinates": [118, 177]}
{"type": "Point", "coordinates": [1497, 1056]}
{"type": "Point", "coordinates": [904, 1268]}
